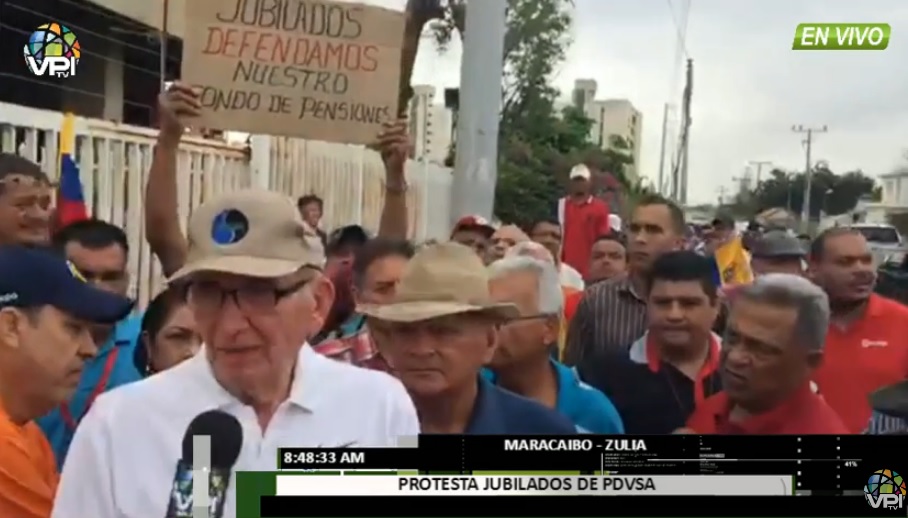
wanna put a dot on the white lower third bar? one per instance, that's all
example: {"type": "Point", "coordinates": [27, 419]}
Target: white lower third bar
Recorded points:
{"type": "Point", "coordinates": [533, 485]}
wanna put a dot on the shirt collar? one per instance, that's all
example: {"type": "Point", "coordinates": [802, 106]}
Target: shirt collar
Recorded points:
{"type": "Point", "coordinates": [587, 201]}
{"type": "Point", "coordinates": [768, 422]}
{"type": "Point", "coordinates": [309, 380]}
{"type": "Point", "coordinates": [626, 287]}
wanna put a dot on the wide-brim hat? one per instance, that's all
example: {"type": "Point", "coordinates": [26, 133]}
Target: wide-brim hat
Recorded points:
{"type": "Point", "coordinates": [252, 233]}
{"type": "Point", "coordinates": [442, 279]}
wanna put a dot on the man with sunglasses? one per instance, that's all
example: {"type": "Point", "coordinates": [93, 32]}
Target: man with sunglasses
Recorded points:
{"type": "Point", "coordinates": [258, 294]}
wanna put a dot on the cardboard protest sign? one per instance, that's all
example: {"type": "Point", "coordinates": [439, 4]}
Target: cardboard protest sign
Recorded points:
{"type": "Point", "coordinates": [313, 69]}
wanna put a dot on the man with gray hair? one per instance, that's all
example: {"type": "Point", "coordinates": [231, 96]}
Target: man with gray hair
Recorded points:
{"type": "Point", "coordinates": [522, 363]}
{"type": "Point", "coordinates": [773, 344]}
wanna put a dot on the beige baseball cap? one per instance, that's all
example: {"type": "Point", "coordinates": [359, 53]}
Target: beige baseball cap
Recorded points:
{"type": "Point", "coordinates": [251, 232]}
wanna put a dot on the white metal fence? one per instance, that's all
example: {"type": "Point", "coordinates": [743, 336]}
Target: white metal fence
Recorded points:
{"type": "Point", "coordinates": [114, 160]}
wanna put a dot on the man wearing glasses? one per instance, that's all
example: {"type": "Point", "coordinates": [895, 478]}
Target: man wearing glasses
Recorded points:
{"type": "Point", "coordinates": [523, 363]}
{"type": "Point", "coordinates": [258, 295]}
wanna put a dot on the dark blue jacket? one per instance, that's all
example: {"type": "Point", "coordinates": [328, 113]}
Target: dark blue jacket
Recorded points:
{"type": "Point", "coordinates": [500, 412]}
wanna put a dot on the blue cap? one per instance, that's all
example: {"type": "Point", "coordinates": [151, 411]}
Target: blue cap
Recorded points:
{"type": "Point", "coordinates": [32, 277]}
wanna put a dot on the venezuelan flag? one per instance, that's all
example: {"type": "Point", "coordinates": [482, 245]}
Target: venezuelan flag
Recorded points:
{"type": "Point", "coordinates": [731, 264]}
{"type": "Point", "coordinates": [70, 197]}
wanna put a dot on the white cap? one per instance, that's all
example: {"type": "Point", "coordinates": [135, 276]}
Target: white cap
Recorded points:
{"type": "Point", "coordinates": [614, 221]}
{"type": "Point", "coordinates": [580, 171]}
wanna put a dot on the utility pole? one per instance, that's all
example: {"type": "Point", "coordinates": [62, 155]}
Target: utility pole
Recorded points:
{"type": "Point", "coordinates": [481, 69]}
{"type": "Point", "coordinates": [688, 93]}
{"type": "Point", "coordinates": [758, 164]}
{"type": "Point", "coordinates": [679, 172]}
{"type": "Point", "coordinates": [808, 171]}
{"type": "Point", "coordinates": [661, 185]}
{"type": "Point", "coordinates": [722, 192]}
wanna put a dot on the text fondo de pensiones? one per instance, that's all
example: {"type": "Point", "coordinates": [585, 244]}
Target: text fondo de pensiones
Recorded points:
{"type": "Point", "coordinates": [299, 63]}
{"type": "Point", "coordinates": [314, 69]}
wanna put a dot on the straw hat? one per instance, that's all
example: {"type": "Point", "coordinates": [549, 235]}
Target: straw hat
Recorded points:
{"type": "Point", "coordinates": [441, 279]}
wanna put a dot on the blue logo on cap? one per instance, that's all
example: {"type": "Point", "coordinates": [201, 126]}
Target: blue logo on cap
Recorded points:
{"type": "Point", "coordinates": [229, 227]}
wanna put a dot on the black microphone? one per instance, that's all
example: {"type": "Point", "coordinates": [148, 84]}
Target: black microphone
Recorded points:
{"type": "Point", "coordinates": [226, 441]}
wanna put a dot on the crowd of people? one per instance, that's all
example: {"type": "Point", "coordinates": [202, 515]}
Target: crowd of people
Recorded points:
{"type": "Point", "coordinates": [582, 323]}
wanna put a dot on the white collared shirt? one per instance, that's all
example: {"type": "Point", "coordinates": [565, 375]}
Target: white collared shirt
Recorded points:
{"type": "Point", "coordinates": [123, 457]}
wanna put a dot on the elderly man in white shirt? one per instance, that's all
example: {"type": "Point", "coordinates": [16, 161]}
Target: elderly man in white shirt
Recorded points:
{"type": "Point", "coordinates": [255, 286]}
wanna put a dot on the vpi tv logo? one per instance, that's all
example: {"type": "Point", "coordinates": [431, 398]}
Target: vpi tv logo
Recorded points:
{"type": "Point", "coordinates": [885, 490]}
{"type": "Point", "coordinates": [52, 49]}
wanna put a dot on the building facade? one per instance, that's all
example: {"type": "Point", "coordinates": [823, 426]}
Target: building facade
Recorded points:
{"type": "Point", "coordinates": [430, 125]}
{"type": "Point", "coordinates": [611, 118]}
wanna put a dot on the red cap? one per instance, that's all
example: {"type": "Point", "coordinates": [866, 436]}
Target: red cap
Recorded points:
{"type": "Point", "coordinates": [474, 222]}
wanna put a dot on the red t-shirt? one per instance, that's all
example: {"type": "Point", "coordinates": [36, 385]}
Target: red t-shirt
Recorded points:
{"type": "Point", "coordinates": [869, 354]}
{"type": "Point", "coordinates": [583, 223]}
{"type": "Point", "coordinates": [803, 413]}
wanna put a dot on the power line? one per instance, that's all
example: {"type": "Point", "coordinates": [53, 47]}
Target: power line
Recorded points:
{"type": "Point", "coordinates": [680, 28]}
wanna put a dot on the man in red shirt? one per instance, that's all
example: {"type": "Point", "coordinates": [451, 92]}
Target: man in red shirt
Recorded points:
{"type": "Point", "coordinates": [773, 342]}
{"type": "Point", "coordinates": [866, 347]}
{"type": "Point", "coordinates": [583, 218]}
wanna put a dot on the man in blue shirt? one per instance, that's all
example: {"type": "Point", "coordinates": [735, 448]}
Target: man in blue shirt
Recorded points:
{"type": "Point", "coordinates": [522, 362]}
{"type": "Point", "coordinates": [437, 332]}
{"type": "Point", "coordinates": [99, 251]}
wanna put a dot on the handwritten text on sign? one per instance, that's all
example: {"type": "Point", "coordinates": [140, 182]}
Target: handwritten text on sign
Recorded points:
{"type": "Point", "coordinates": [319, 70]}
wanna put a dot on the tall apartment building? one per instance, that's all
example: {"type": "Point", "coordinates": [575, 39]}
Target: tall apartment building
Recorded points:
{"type": "Point", "coordinates": [611, 118]}
{"type": "Point", "coordinates": [430, 125]}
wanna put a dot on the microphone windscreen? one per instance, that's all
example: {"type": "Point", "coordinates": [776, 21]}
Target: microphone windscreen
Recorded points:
{"type": "Point", "coordinates": [226, 435]}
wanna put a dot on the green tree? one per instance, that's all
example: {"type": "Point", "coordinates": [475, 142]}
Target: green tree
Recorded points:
{"type": "Point", "coordinates": [830, 193]}
{"type": "Point", "coordinates": [537, 144]}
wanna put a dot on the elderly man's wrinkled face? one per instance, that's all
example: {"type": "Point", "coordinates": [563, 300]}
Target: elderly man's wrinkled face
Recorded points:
{"type": "Point", "coordinates": [253, 328]}
{"type": "Point", "coordinates": [529, 337]}
{"type": "Point", "coordinates": [762, 360]}
{"type": "Point", "coordinates": [438, 356]}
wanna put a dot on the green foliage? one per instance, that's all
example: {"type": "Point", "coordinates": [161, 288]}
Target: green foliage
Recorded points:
{"type": "Point", "coordinates": [831, 194]}
{"type": "Point", "coordinates": [537, 144]}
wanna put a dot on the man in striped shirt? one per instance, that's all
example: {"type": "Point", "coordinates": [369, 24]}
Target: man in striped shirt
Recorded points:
{"type": "Point", "coordinates": [890, 410]}
{"type": "Point", "coordinates": [612, 313]}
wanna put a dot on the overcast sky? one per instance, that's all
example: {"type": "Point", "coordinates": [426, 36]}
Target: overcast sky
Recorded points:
{"type": "Point", "coordinates": [750, 87]}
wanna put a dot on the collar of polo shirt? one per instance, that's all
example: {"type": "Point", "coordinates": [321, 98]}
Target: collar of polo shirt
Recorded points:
{"type": "Point", "coordinates": [305, 392]}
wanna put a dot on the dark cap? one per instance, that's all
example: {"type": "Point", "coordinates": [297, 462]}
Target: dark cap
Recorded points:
{"type": "Point", "coordinates": [724, 220]}
{"type": "Point", "coordinates": [32, 278]}
{"type": "Point", "coordinates": [347, 236]}
{"type": "Point", "coordinates": [778, 243]}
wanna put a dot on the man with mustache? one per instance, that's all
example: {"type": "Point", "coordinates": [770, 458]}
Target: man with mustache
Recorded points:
{"type": "Point", "coordinates": [866, 342]}
{"type": "Point", "coordinates": [773, 344]}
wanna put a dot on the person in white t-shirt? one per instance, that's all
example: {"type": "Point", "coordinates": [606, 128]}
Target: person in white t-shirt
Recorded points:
{"type": "Point", "coordinates": [257, 292]}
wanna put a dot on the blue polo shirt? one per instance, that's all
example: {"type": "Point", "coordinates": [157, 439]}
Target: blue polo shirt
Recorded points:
{"type": "Point", "coordinates": [589, 409]}
{"type": "Point", "coordinates": [500, 412]}
{"type": "Point", "coordinates": [113, 362]}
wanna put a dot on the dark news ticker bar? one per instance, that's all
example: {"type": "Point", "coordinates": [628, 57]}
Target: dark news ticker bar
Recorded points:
{"type": "Point", "coordinates": [657, 454]}
{"type": "Point", "coordinates": [566, 506]}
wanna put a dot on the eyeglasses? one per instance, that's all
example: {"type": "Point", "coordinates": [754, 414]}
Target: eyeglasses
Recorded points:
{"type": "Point", "coordinates": [523, 318]}
{"type": "Point", "coordinates": [209, 296]}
